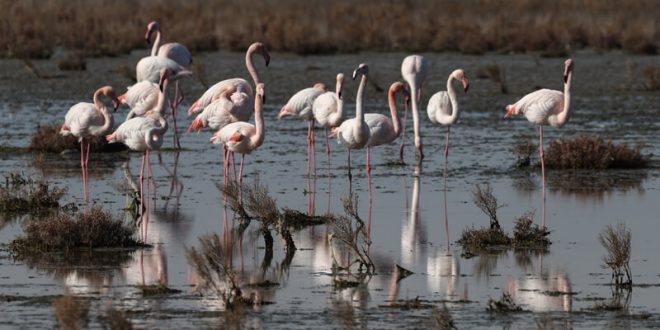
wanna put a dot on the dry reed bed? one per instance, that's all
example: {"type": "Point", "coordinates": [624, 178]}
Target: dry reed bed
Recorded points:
{"type": "Point", "coordinates": [35, 28]}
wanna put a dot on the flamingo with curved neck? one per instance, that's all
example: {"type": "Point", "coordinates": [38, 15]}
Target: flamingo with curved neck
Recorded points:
{"type": "Point", "coordinates": [546, 107]}
{"type": "Point", "coordinates": [172, 50]}
{"type": "Point", "coordinates": [328, 110]}
{"type": "Point", "coordinates": [414, 70]}
{"type": "Point", "coordinates": [86, 120]}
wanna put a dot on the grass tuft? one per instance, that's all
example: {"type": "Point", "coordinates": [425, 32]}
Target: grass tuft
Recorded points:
{"type": "Point", "coordinates": [504, 305]}
{"type": "Point", "coordinates": [21, 194]}
{"type": "Point", "coordinates": [617, 242]}
{"type": "Point", "coordinates": [527, 234]}
{"type": "Point", "coordinates": [593, 152]}
{"type": "Point", "coordinates": [48, 139]}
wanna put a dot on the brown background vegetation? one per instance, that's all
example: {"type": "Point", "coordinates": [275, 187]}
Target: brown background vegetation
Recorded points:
{"type": "Point", "coordinates": [36, 28]}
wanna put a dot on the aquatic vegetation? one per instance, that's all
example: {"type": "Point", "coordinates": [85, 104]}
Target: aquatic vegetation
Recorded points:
{"type": "Point", "coordinates": [21, 194]}
{"type": "Point", "coordinates": [47, 138]}
{"type": "Point", "coordinates": [590, 152]}
{"type": "Point", "coordinates": [352, 234]}
{"type": "Point", "coordinates": [87, 230]}
{"type": "Point", "coordinates": [506, 304]}
{"type": "Point", "coordinates": [156, 289]}
{"type": "Point", "coordinates": [487, 202]}
{"type": "Point", "coordinates": [551, 28]}
{"type": "Point", "coordinates": [617, 243]}
{"type": "Point", "coordinates": [443, 319]}
{"type": "Point", "coordinates": [527, 234]}
{"type": "Point", "coordinates": [479, 239]}
{"type": "Point", "coordinates": [523, 151]}
{"type": "Point", "coordinates": [71, 312]}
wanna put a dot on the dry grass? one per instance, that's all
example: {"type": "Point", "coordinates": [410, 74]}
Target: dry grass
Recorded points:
{"type": "Point", "coordinates": [88, 230]}
{"type": "Point", "coordinates": [617, 243]}
{"type": "Point", "coordinates": [22, 195]}
{"type": "Point", "coordinates": [48, 139]}
{"type": "Point", "coordinates": [504, 305]}
{"type": "Point", "coordinates": [34, 28]}
{"type": "Point", "coordinates": [527, 234]}
{"type": "Point", "coordinates": [71, 313]}
{"type": "Point", "coordinates": [487, 202]}
{"type": "Point", "coordinates": [593, 152]}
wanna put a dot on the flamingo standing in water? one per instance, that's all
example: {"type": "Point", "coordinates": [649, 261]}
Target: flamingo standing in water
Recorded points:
{"type": "Point", "coordinates": [300, 106]}
{"type": "Point", "coordinates": [354, 133]}
{"type": "Point", "coordinates": [328, 110]}
{"type": "Point", "coordinates": [243, 137]}
{"type": "Point", "coordinates": [145, 133]}
{"type": "Point", "coordinates": [414, 69]}
{"type": "Point", "coordinates": [85, 120]}
{"type": "Point", "coordinates": [545, 107]}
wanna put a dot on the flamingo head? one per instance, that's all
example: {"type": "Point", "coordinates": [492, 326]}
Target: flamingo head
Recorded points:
{"type": "Point", "coordinates": [398, 86]}
{"type": "Point", "coordinates": [122, 98]}
{"type": "Point", "coordinates": [568, 68]}
{"type": "Point", "coordinates": [151, 28]}
{"type": "Point", "coordinates": [511, 111]}
{"type": "Point", "coordinates": [110, 93]}
{"type": "Point", "coordinates": [459, 75]}
{"type": "Point", "coordinates": [260, 48]}
{"type": "Point", "coordinates": [321, 86]}
{"type": "Point", "coordinates": [164, 78]}
{"type": "Point", "coordinates": [363, 69]}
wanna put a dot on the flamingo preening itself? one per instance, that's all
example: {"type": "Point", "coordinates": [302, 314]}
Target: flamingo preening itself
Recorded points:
{"type": "Point", "coordinates": [328, 109]}
{"type": "Point", "coordinates": [86, 120]}
{"type": "Point", "coordinates": [545, 107]}
{"type": "Point", "coordinates": [414, 69]}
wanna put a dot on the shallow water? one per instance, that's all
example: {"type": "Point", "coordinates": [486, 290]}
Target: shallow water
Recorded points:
{"type": "Point", "coordinates": [407, 211]}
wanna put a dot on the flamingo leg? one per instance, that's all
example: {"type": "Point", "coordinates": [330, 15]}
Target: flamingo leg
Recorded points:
{"type": "Point", "coordinates": [177, 100]}
{"type": "Point", "coordinates": [445, 189]}
{"type": "Point", "coordinates": [350, 176]}
{"type": "Point", "coordinates": [144, 156]}
{"type": "Point", "coordinates": [369, 189]}
{"type": "Point", "coordinates": [312, 144]}
{"type": "Point", "coordinates": [541, 155]}
{"type": "Point", "coordinates": [82, 169]}
{"type": "Point", "coordinates": [309, 151]}
{"type": "Point", "coordinates": [240, 172]}
{"type": "Point", "coordinates": [89, 143]}
{"type": "Point", "coordinates": [327, 145]}
{"type": "Point", "coordinates": [151, 175]}
{"type": "Point", "coordinates": [225, 162]}
{"type": "Point", "coordinates": [403, 131]}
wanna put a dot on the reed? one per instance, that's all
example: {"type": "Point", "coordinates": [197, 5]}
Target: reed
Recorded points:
{"type": "Point", "coordinates": [35, 28]}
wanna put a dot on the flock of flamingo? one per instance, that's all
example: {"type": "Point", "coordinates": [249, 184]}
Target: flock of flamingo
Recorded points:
{"type": "Point", "coordinates": [227, 106]}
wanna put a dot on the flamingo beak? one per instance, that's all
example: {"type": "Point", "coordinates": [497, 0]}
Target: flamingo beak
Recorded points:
{"type": "Point", "coordinates": [339, 94]}
{"type": "Point", "coordinates": [147, 37]}
{"type": "Point", "coordinates": [565, 78]}
{"type": "Point", "coordinates": [466, 84]}
{"type": "Point", "coordinates": [510, 111]}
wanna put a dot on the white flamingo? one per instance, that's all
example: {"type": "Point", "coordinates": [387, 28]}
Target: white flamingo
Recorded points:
{"type": "Point", "coordinates": [300, 106]}
{"type": "Point", "coordinates": [243, 97]}
{"type": "Point", "coordinates": [328, 110]}
{"type": "Point", "coordinates": [86, 120]}
{"type": "Point", "coordinates": [354, 133]}
{"type": "Point", "coordinates": [443, 106]}
{"type": "Point", "coordinates": [414, 69]}
{"type": "Point", "coordinates": [145, 133]}
{"type": "Point", "coordinates": [172, 50]}
{"type": "Point", "coordinates": [546, 107]}
{"type": "Point", "coordinates": [243, 137]}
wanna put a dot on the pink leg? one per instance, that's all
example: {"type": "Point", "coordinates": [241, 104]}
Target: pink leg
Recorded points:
{"type": "Point", "coordinates": [327, 146]}
{"type": "Point", "coordinates": [445, 194]}
{"type": "Point", "coordinates": [350, 176]}
{"type": "Point", "coordinates": [240, 172]}
{"type": "Point", "coordinates": [82, 169]}
{"type": "Point", "coordinates": [541, 155]}
{"type": "Point", "coordinates": [369, 189]}
{"type": "Point", "coordinates": [177, 100]}
{"type": "Point", "coordinates": [225, 162]}
{"type": "Point", "coordinates": [309, 151]}
{"type": "Point", "coordinates": [144, 157]}
{"type": "Point", "coordinates": [403, 130]}
{"type": "Point", "coordinates": [312, 144]}
{"type": "Point", "coordinates": [89, 144]}
{"type": "Point", "coordinates": [151, 175]}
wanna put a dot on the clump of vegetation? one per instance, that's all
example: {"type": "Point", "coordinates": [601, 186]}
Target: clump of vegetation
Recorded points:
{"type": "Point", "coordinates": [651, 74]}
{"type": "Point", "coordinates": [617, 243]}
{"type": "Point", "coordinates": [593, 152]}
{"type": "Point", "coordinates": [21, 195]}
{"type": "Point", "coordinates": [48, 139]}
{"type": "Point", "coordinates": [156, 289]}
{"type": "Point", "coordinates": [527, 234]}
{"type": "Point", "coordinates": [71, 313]}
{"type": "Point", "coordinates": [523, 151]}
{"type": "Point", "coordinates": [443, 319]}
{"type": "Point", "coordinates": [351, 233]}
{"type": "Point", "coordinates": [87, 230]}
{"type": "Point", "coordinates": [504, 305]}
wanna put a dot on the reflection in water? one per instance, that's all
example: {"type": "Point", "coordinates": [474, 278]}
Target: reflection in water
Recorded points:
{"type": "Point", "coordinates": [411, 229]}
{"type": "Point", "coordinates": [443, 271]}
{"type": "Point", "coordinates": [542, 293]}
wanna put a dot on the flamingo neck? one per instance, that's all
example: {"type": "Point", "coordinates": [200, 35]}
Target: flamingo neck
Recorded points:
{"type": "Point", "coordinates": [359, 115]}
{"type": "Point", "coordinates": [156, 45]}
{"type": "Point", "coordinates": [452, 99]}
{"type": "Point", "coordinates": [260, 127]}
{"type": "Point", "coordinates": [249, 63]}
{"type": "Point", "coordinates": [154, 136]}
{"type": "Point", "coordinates": [107, 116]}
{"type": "Point", "coordinates": [414, 90]}
{"type": "Point", "coordinates": [161, 105]}
{"type": "Point", "coordinates": [563, 116]}
{"type": "Point", "coordinates": [391, 98]}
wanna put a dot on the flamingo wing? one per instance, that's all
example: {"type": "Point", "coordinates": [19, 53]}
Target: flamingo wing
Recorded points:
{"type": "Point", "coordinates": [242, 86]}
{"type": "Point", "coordinates": [80, 118]}
{"type": "Point", "coordinates": [142, 97]}
{"type": "Point", "coordinates": [326, 110]}
{"type": "Point", "coordinates": [148, 68]}
{"type": "Point", "coordinates": [381, 129]}
{"type": "Point", "coordinates": [541, 104]}
{"type": "Point", "coordinates": [176, 52]}
{"type": "Point", "coordinates": [300, 104]}
{"type": "Point", "coordinates": [236, 136]}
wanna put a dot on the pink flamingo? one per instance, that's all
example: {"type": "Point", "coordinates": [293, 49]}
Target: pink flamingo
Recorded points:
{"type": "Point", "coordinates": [172, 50]}
{"type": "Point", "coordinates": [443, 106]}
{"type": "Point", "coordinates": [546, 107]}
{"type": "Point", "coordinates": [145, 133]}
{"type": "Point", "coordinates": [220, 112]}
{"type": "Point", "coordinates": [243, 137]}
{"type": "Point", "coordinates": [354, 133]}
{"type": "Point", "coordinates": [85, 120]}
{"type": "Point", "coordinates": [243, 98]}
{"type": "Point", "coordinates": [328, 110]}
{"type": "Point", "coordinates": [300, 106]}
{"type": "Point", "coordinates": [414, 69]}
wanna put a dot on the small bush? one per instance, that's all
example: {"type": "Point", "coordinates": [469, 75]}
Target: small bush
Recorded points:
{"type": "Point", "coordinates": [61, 232]}
{"type": "Point", "coordinates": [593, 152]}
{"type": "Point", "coordinates": [504, 305]}
{"type": "Point", "coordinates": [617, 243]}
{"type": "Point", "coordinates": [23, 195]}
{"type": "Point", "coordinates": [487, 202]}
{"type": "Point", "coordinates": [523, 152]}
{"type": "Point", "coordinates": [527, 234]}
{"type": "Point", "coordinates": [474, 239]}
{"type": "Point", "coordinates": [48, 139]}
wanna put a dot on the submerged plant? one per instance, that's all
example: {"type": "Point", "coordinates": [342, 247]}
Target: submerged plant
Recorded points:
{"type": "Point", "coordinates": [21, 194]}
{"type": "Point", "coordinates": [87, 230]}
{"type": "Point", "coordinates": [616, 242]}
{"type": "Point", "coordinates": [506, 304]}
{"type": "Point", "coordinates": [350, 231]}
{"type": "Point", "coordinates": [527, 234]}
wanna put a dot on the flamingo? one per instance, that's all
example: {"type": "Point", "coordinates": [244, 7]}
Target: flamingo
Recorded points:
{"type": "Point", "coordinates": [145, 133]}
{"type": "Point", "coordinates": [243, 98]}
{"type": "Point", "coordinates": [300, 106]}
{"type": "Point", "coordinates": [141, 97]}
{"type": "Point", "coordinates": [443, 107]}
{"type": "Point", "coordinates": [546, 107]}
{"type": "Point", "coordinates": [243, 137]}
{"type": "Point", "coordinates": [218, 113]}
{"type": "Point", "coordinates": [172, 50]}
{"type": "Point", "coordinates": [328, 110]}
{"type": "Point", "coordinates": [85, 120]}
{"type": "Point", "coordinates": [384, 130]}
{"type": "Point", "coordinates": [414, 69]}
{"type": "Point", "coordinates": [354, 133]}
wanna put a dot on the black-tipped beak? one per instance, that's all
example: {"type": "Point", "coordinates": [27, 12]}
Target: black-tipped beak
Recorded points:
{"type": "Point", "coordinates": [466, 84]}
{"type": "Point", "coordinates": [354, 74]}
{"type": "Point", "coordinates": [565, 78]}
{"type": "Point", "coordinates": [339, 94]}
{"type": "Point", "coordinates": [263, 99]}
